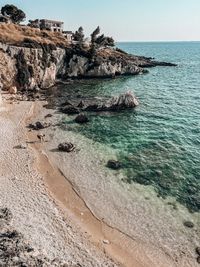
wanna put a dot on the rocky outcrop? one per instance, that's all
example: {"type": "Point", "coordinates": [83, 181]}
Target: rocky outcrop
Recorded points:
{"type": "Point", "coordinates": [34, 65]}
{"type": "Point", "coordinates": [124, 101]}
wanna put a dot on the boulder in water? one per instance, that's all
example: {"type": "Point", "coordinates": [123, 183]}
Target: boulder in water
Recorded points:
{"type": "Point", "coordinates": [123, 101]}
{"type": "Point", "coordinates": [81, 118]}
{"type": "Point", "coordinates": [114, 164]}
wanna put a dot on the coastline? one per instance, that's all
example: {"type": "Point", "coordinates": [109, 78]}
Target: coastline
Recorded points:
{"type": "Point", "coordinates": [152, 225]}
{"type": "Point", "coordinates": [104, 238]}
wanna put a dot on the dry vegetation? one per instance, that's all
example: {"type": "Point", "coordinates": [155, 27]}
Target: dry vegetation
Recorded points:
{"type": "Point", "coordinates": [16, 35]}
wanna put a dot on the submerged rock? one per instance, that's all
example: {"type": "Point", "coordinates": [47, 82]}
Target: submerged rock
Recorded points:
{"type": "Point", "coordinates": [114, 164]}
{"type": "Point", "coordinates": [81, 118]}
{"type": "Point", "coordinates": [66, 147]}
{"type": "Point", "coordinates": [188, 224]}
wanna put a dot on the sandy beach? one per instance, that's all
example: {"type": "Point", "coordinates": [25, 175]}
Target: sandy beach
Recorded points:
{"type": "Point", "coordinates": [66, 206]}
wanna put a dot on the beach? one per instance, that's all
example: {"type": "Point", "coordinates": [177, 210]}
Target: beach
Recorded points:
{"type": "Point", "coordinates": [67, 206]}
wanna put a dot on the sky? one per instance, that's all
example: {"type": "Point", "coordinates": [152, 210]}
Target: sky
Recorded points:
{"type": "Point", "coordinates": [125, 20]}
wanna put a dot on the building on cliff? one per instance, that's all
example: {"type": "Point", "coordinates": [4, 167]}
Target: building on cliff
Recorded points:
{"type": "Point", "coordinates": [52, 25]}
{"type": "Point", "coordinates": [46, 24]}
{"type": "Point", "coordinates": [68, 35]}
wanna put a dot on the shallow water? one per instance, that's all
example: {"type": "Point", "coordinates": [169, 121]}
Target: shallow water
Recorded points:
{"type": "Point", "coordinates": [158, 143]}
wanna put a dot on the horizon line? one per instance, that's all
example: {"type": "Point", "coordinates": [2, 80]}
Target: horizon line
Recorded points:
{"type": "Point", "coordinates": [157, 41]}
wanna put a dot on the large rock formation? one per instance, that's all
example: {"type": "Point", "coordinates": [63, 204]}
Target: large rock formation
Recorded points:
{"type": "Point", "coordinates": [32, 65]}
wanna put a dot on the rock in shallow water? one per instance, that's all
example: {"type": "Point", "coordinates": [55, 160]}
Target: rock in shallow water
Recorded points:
{"type": "Point", "coordinates": [114, 164]}
{"type": "Point", "coordinates": [81, 118]}
{"type": "Point", "coordinates": [188, 224]}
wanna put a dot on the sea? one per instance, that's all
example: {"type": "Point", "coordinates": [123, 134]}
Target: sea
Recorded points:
{"type": "Point", "coordinates": [157, 143]}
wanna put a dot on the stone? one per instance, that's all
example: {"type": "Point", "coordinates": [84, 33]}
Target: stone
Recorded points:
{"type": "Point", "coordinates": [188, 224]}
{"type": "Point", "coordinates": [13, 90]}
{"type": "Point", "coordinates": [39, 125]}
{"type": "Point", "coordinates": [114, 164]}
{"type": "Point", "coordinates": [70, 110]}
{"type": "Point", "coordinates": [106, 242]}
{"type": "Point", "coordinates": [198, 259]}
{"type": "Point", "coordinates": [198, 250]}
{"type": "Point", "coordinates": [81, 118]}
{"type": "Point", "coordinates": [81, 104]}
{"type": "Point", "coordinates": [48, 116]}
{"type": "Point", "coordinates": [66, 147]}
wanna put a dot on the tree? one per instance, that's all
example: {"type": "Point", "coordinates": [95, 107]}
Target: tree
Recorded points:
{"type": "Point", "coordinates": [94, 34]}
{"type": "Point", "coordinates": [79, 35]}
{"type": "Point", "coordinates": [13, 13]}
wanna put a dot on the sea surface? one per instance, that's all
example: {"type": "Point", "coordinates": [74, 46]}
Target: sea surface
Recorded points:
{"type": "Point", "coordinates": [158, 143]}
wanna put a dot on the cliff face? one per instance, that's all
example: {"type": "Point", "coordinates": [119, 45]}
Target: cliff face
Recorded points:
{"type": "Point", "coordinates": [28, 68]}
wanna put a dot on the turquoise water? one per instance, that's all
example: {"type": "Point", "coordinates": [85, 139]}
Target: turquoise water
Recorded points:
{"type": "Point", "coordinates": [158, 143]}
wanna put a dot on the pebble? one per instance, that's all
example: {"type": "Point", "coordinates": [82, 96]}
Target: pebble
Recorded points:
{"type": "Point", "coordinates": [106, 242]}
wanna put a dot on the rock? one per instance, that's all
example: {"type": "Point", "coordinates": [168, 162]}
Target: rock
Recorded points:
{"type": "Point", "coordinates": [21, 146]}
{"type": "Point", "coordinates": [188, 224]}
{"type": "Point", "coordinates": [123, 101]}
{"type": "Point", "coordinates": [13, 90]}
{"type": "Point", "coordinates": [81, 118]}
{"type": "Point", "coordinates": [48, 116]}
{"type": "Point", "coordinates": [114, 164]}
{"type": "Point", "coordinates": [66, 147]}
{"type": "Point", "coordinates": [106, 242]}
{"type": "Point", "coordinates": [39, 67]}
{"type": "Point", "coordinates": [92, 107]}
{"type": "Point", "coordinates": [198, 259]}
{"type": "Point", "coordinates": [198, 250]}
{"type": "Point", "coordinates": [118, 103]}
{"type": "Point", "coordinates": [70, 110]}
{"type": "Point", "coordinates": [39, 125]}
{"type": "Point", "coordinates": [81, 104]}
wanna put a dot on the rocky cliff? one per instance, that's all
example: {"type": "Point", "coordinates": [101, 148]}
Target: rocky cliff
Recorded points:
{"type": "Point", "coordinates": [30, 66]}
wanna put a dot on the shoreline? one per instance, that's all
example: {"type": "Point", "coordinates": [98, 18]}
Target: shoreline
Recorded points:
{"type": "Point", "coordinates": [98, 232]}
{"type": "Point", "coordinates": [105, 237]}
{"type": "Point", "coordinates": [118, 245]}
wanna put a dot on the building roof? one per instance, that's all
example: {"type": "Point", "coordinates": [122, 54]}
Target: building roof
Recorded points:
{"type": "Point", "coordinates": [68, 32]}
{"type": "Point", "coordinates": [52, 21]}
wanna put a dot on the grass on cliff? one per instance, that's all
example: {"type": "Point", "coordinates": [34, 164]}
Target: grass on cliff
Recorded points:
{"type": "Point", "coordinates": [16, 35]}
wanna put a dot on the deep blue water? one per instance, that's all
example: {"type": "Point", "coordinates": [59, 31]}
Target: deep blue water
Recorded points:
{"type": "Point", "coordinates": [158, 142]}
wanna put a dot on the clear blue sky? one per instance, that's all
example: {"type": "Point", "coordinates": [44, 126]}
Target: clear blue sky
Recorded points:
{"type": "Point", "coordinates": [125, 20]}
